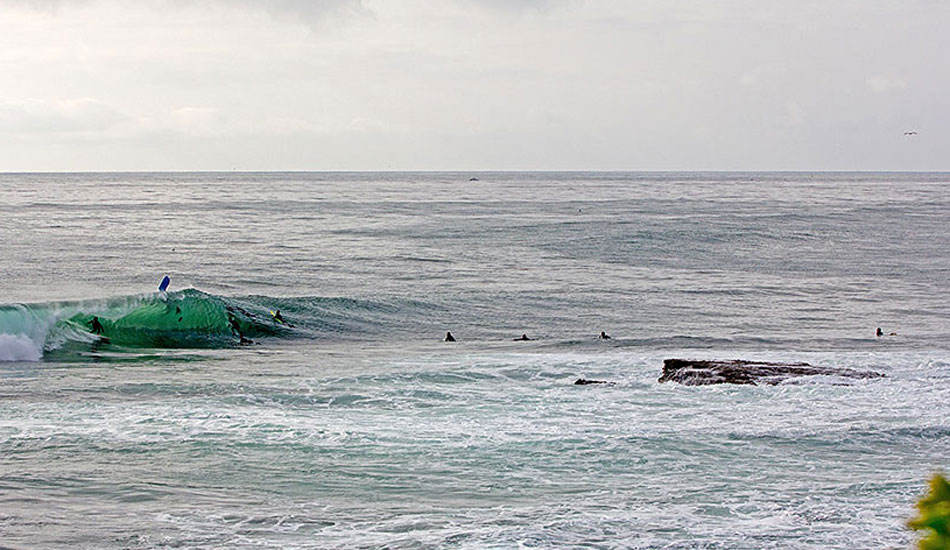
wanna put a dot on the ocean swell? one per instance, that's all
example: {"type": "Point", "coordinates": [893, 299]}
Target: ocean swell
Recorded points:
{"type": "Point", "coordinates": [183, 319]}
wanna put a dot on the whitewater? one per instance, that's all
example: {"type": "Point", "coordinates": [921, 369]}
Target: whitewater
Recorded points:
{"type": "Point", "coordinates": [194, 419]}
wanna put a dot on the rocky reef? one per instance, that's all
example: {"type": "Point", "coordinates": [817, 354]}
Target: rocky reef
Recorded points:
{"type": "Point", "coordinates": [704, 373]}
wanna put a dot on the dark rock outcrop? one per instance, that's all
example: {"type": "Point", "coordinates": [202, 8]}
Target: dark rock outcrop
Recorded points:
{"type": "Point", "coordinates": [703, 373]}
{"type": "Point", "coordinates": [585, 382]}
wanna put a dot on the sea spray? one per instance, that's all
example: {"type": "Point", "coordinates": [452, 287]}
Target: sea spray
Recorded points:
{"type": "Point", "coordinates": [23, 333]}
{"type": "Point", "coordinates": [18, 347]}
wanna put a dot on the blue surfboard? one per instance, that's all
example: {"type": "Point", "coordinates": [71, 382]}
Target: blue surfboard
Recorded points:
{"type": "Point", "coordinates": [164, 285]}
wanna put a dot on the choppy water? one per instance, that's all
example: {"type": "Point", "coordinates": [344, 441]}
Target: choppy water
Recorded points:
{"type": "Point", "coordinates": [358, 428]}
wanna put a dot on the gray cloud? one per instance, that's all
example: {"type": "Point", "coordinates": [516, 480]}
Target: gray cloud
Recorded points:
{"type": "Point", "coordinates": [521, 5]}
{"type": "Point", "coordinates": [306, 10]}
{"type": "Point", "coordinates": [41, 117]}
{"type": "Point", "coordinates": [47, 6]}
{"type": "Point", "coordinates": [375, 84]}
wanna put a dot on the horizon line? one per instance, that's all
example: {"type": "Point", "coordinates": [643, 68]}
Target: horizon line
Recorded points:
{"type": "Point", "coordinates": [478, 171]}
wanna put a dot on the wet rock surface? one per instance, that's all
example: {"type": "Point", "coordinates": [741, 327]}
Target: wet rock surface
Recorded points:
{"type": "Point", "coordinates": [704, 373]}
{"type": "Point", "coordinates": [586, 382]}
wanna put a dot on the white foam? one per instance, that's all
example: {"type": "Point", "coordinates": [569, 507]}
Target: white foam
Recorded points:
{"type": "Point", "coordinates": [24, 332]}
{"type": "Point", "coordinates": [18, 347]}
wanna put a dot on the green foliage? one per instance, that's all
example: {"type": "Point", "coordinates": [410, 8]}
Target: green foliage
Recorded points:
{"type": "Point", "coordinates": [934, 516]}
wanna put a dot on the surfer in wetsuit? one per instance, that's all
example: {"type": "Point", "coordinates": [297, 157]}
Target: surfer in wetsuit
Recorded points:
{"type": "Point", "coordinates": [523, 338]}
{"type": "Point", "coordinates": [96, 325]}
{"type": "Point", "coordinates": [236, 329]}
{"type": "Point", "coordinates": [235, 326]}
{"type": "Point", "coordinates": [604, 336]}
{"type": "Point", "coordinates": [280, 318]}
{"type": "Point", "coordinates": [449, 337]}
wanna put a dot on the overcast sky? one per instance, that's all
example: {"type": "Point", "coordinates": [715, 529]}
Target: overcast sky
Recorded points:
{"type": "Point", "coordinates": [468, 84]}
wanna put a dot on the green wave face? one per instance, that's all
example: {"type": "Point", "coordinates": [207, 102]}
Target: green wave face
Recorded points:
{"type": "Point", "coordinates": [182, 319]}
{"type": "Point", "coordinates": [187, 318]}
{"type": "Point", "coordinates": [187, 321]}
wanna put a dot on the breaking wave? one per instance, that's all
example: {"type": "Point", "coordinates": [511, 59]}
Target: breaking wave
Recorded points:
{"type": "Point", "coordinates": [182, 319]}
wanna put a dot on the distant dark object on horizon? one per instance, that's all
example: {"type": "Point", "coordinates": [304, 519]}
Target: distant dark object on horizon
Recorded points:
{"type": "Point", "coordinates": [911, 133]}
{"type": "Point", "coordinates": [472, 179]}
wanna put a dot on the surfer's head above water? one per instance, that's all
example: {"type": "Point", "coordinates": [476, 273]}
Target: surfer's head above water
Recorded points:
{"type": "Point", "coordinates": [449, 337]}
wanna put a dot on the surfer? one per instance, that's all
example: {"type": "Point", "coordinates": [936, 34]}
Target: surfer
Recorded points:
{"type": "Point", "coordinates": [879, 332]}
{"type": "Point", "coordinates": [235, 326]}
{"type": "Point", "coordinates": [236, 329]}
{"type": "Point", "coordinates": [604, 336]}
{"type": "Point", "coordinates": [279, 318]}
{"type": "Point", "coordinates": [449, 337]}
{"type": "Point", "coordinates": [96, 325]}
{"type": "Point", "coordinates": [523, 338]}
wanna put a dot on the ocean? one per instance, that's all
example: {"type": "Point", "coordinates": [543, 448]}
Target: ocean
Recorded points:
{"type": "Point", "coordinates": [354, 425]}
